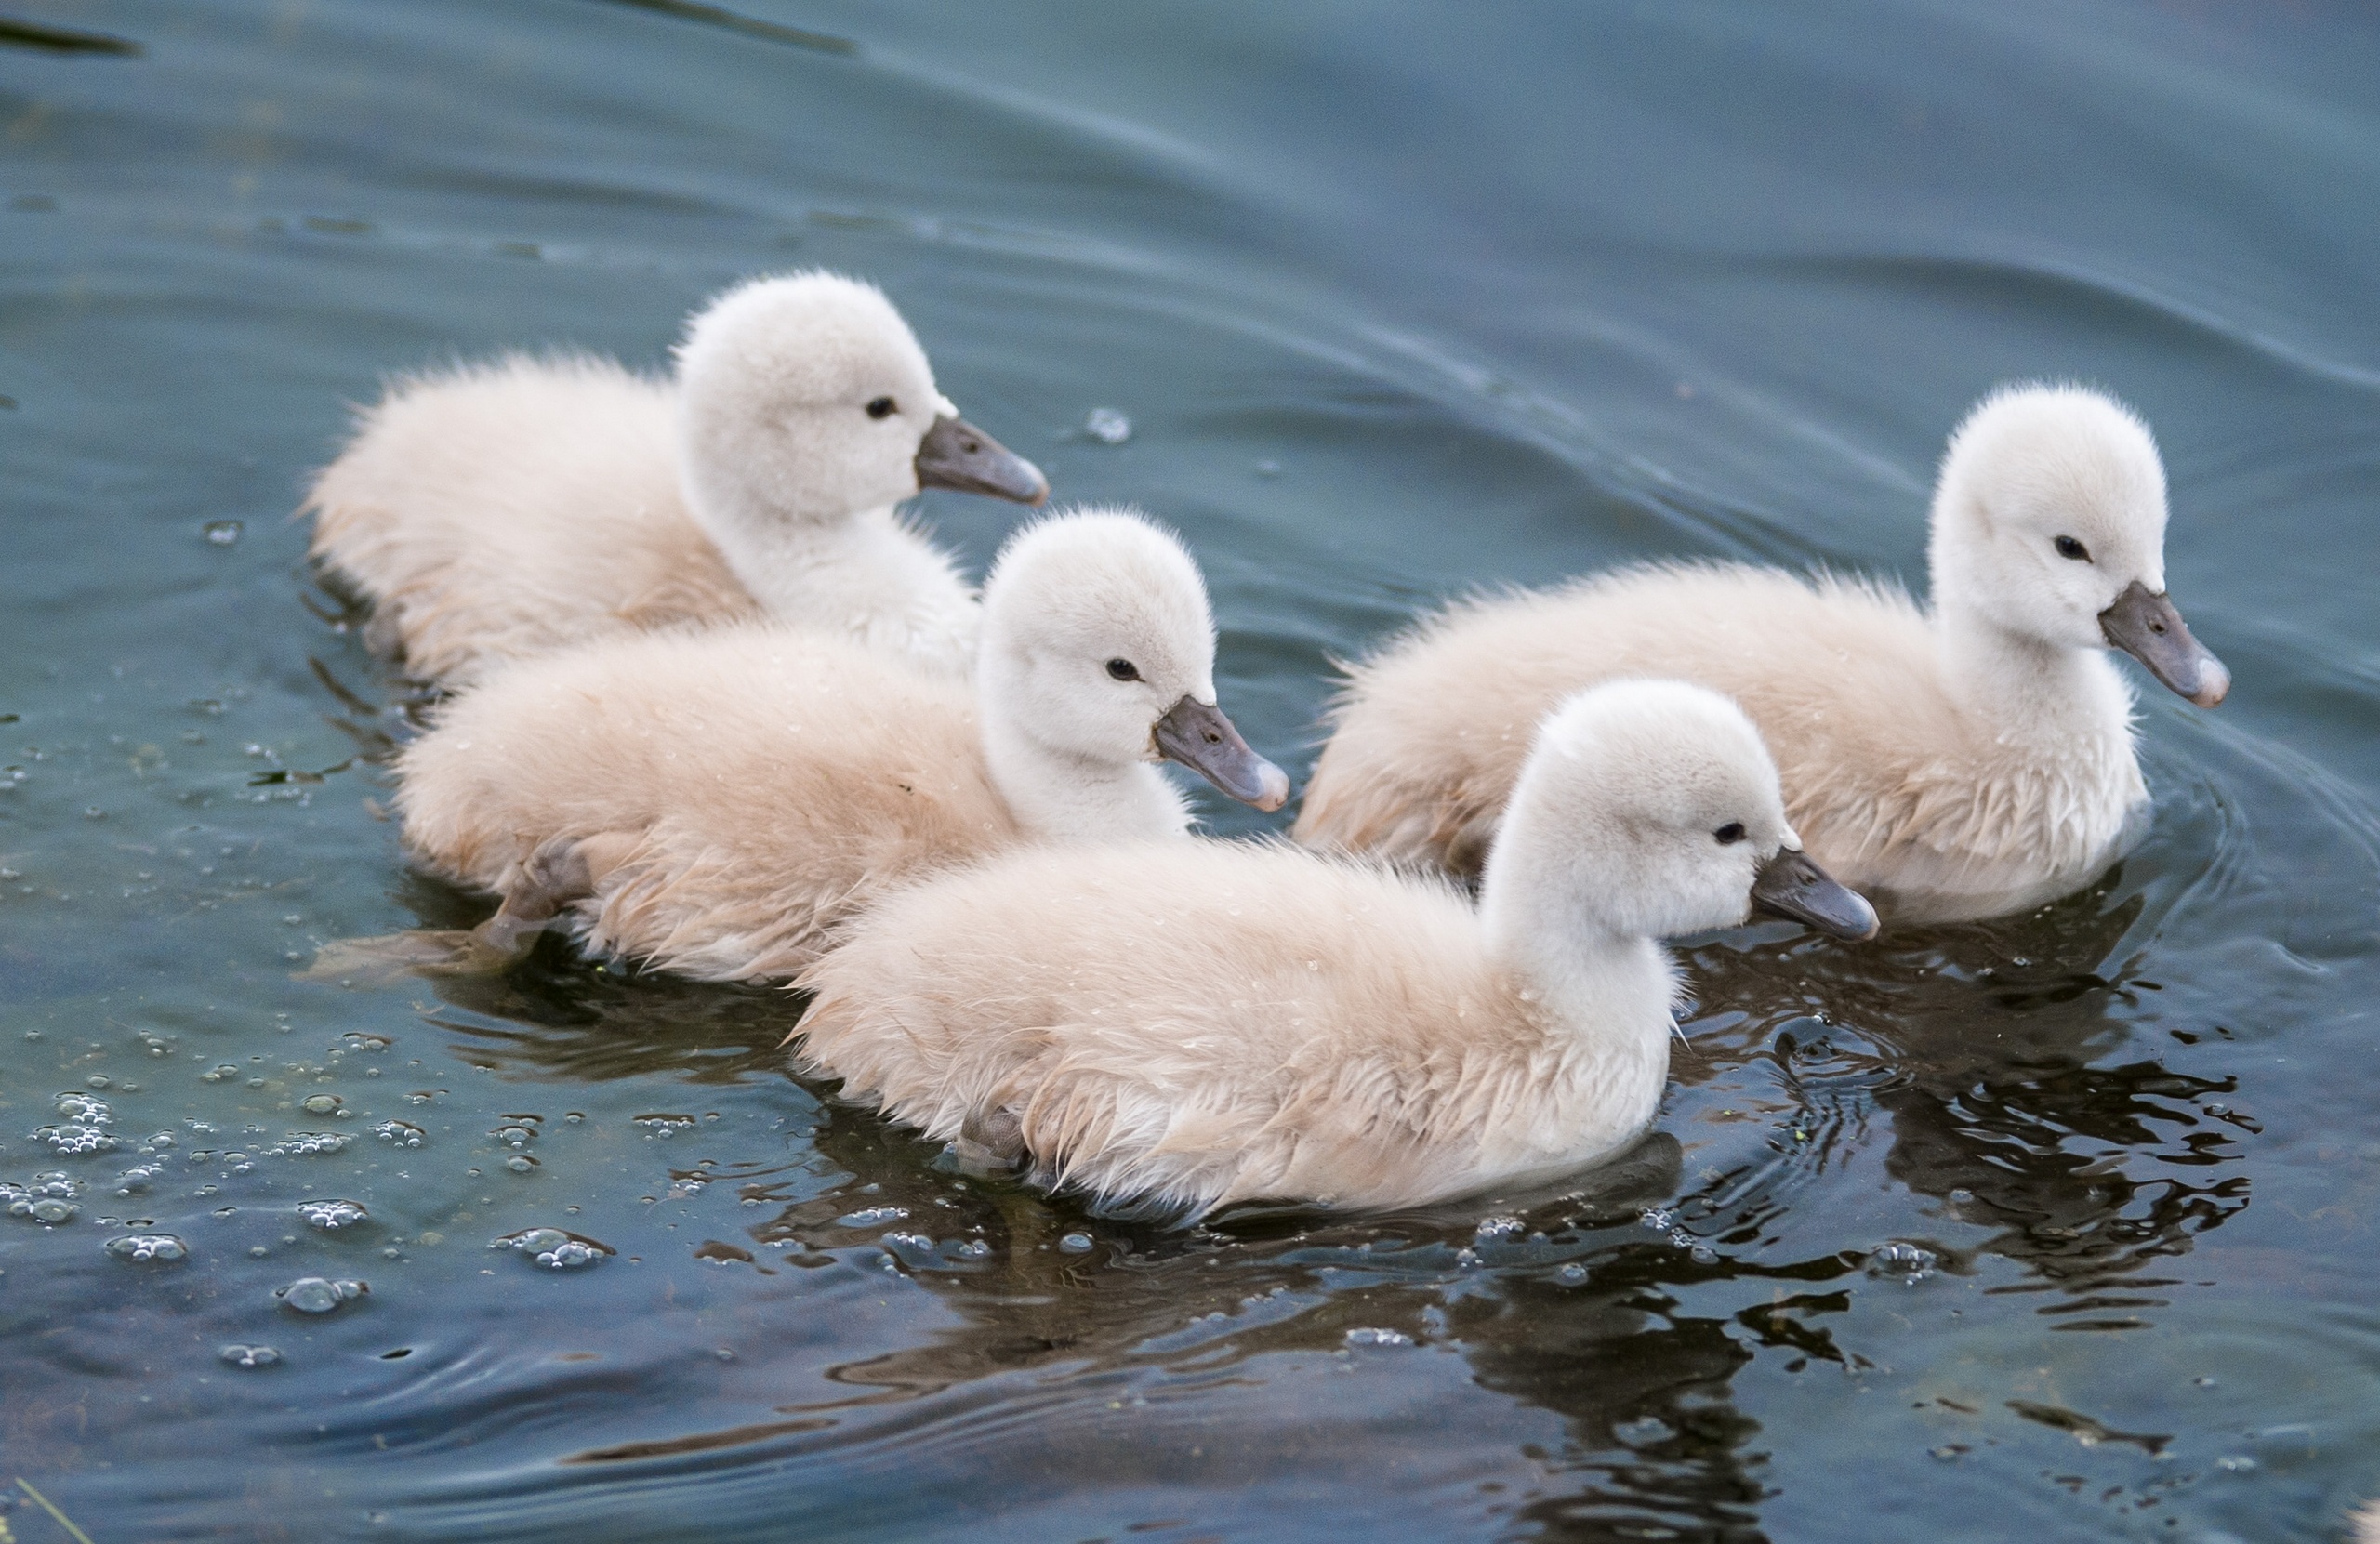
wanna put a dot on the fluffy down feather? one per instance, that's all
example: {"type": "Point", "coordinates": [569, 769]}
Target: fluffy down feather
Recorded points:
{"type": "Point", "coordinates": [1961, 763]}
{"type": "Point", "coordinates": [1201, 1023]}
{"type": "Point", "coordinates": [1191, 1024]}
{"type": "Point", "coordinates": [734, 794]}
{"type": "Point", "coordinates": [500, 510]}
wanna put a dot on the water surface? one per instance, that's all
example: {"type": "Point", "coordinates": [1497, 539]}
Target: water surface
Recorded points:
{"type": "Point", "coordinates": [2057, 1227]}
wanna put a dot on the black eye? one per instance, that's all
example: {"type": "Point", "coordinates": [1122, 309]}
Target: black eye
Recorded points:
{"type": "Point", "coordinates": [884, 408]}
{"type": "Point", "coordinates": [2069, 547]}
{"type": "Point", "coordinates": [1123, 669]}
{"type": "Point", "coordinates": [1730, 834]}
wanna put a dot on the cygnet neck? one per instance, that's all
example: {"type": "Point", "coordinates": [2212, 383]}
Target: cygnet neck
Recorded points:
{"type": "Point", "coordinates": [2028, 686]}
{"type": "Point", "coordinates": [1595, 978]}
{"type": "Point", "coordinates": [1063, 795]}
{"type": "Point", "coordinates": [777, 553]}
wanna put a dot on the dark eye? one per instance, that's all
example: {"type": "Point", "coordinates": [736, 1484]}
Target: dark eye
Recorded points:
{"type": "Point", "coordinates": [884, 407]}
{"type": "Point", "coordinates": [1123, 669]}
{"type": "Point", "coordinates": [1730, 834]}
{"type": "Point", "coordinates": [2069, 547]}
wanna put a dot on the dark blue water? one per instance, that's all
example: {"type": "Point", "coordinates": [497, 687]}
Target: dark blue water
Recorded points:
{"type": "Point", "coordinates": [2055, 1228]}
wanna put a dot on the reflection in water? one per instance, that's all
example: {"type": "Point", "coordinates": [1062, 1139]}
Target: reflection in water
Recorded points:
{"type": "Point", "coordinates": [1975, 1052]}
{"type": "Point", "coordinates": [1980, 1045]}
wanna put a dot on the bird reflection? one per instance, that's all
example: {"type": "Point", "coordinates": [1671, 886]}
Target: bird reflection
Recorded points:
{"type": "Point", "coordinates": [1993, 1059]}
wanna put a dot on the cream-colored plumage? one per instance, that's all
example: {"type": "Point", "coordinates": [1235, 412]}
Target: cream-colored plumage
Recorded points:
{"type": "Point", "coordinates": [716, 803]}
{"type": "Point", "coordinates": [1192, 1024]}
{"type": "Point", "coordinates": [1962, 762]}
{"type": "Point", "coordinates": [499, 510]}
{"type": "Point", "coordinates": [2367, 1523]}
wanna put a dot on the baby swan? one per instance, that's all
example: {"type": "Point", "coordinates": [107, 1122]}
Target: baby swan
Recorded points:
{"type": "Point", "coordinates": [1188, 1025]}
{"type": "Point", "coordinates": [716, 803]}
{"type": "Point", "coordinates": [495, 512]}
{"type": "Point", "coordinates": [1965, 762]}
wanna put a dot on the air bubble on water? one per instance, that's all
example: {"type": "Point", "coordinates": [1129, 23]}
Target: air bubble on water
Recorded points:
{"type": "Point", "coordinates": [249, 1356]}
{"type": "Point", "coordinates": [1908, 1263]}
{"type": "Point", "coordinates": [664, 1125]}
{"type": "Point", "coordinates": [554, 1248]}
{"type": "Point", "coordinates": [1657, 1219]}
{"type": "Point", "coordinates": [868, 1217]}
{"type": "Point", "coordinates": [1075, 1244]}
{"type": "Point", "coordinates": [134, 1180]}
{"type": "Point", "coordinates": [322, 1105]}
{"type": "Point", "coordinates": [1703, 1254]}
{"type": "Point", "coordinates": [162, 1248]}
{"type": "Point", "coordinates": [223, 1074]}
{"type": "Point", "coordinates": [514, 1136]}
{"type": "Point", "coordinates": [332, 1215]}
{"type": "Point", "coordinates": [520, 1163]}
{"type": "Point", "coordinates": [1379, 1338]}
{"type": "Point", "coordinates": [975, 1249]}
{"type": "Point", "coordinates": [1466, 1258]}
{"type": "Point", "coordinates": [317, 1295]}
{"type": "Point", "coordinates": [300, 1144]}
{"type": "Point", "coordinates": [1108, 426]}
{"type": "Point", "coordinates": [49, 1200]}
{"type": "Point", "coordinates": [2238, 1463]}
{"type": "Point", "coordinates": [1499, 1227]}
{"type": "Point", "coordinates": [1571, 1274]}
{"type": "Point", "coordinates": [74, 1140]}
{"type": "Point", "coordinates": [400, 1133]}
{"type": "Point", "coordinates": [222, 533]}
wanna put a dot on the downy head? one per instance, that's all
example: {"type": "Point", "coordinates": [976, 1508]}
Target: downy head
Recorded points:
{"type": "Point", "coordinates": [2049, 522]}
{"type": "Point", "coordinates": [1098, 654]}
{"type": "Point", "coordinates": [805, 399]}
{"type": "Point", "coordinates": [1648, 809]}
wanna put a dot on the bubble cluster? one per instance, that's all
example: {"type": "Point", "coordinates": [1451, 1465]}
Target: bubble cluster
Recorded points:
{"type": "Point", "coordinates": [331, 1215]}
{"type": "Point", "coordinates": [134, 1180]}
{"type": "Point", "coordinates": [554, 1248]}
{"type": "Point", "coordinates": [1379, 1338]}
{"type": "Point", "coordinates": [83, 1129]}
{"type": "Point", "coordinates": [317, 1295]}
{"type": "Point", "coordinates": [664, 1125]}
{"type": "Point", "coordinates": [300, 1145]}
{"type": "Point", "coordinates": [224, 1073]}
{"type": "Point", "coordinates": [249, 1356]}
{"type": "Point", "coordinates": [1904, 1263]}
{"type": "Point", "coordinates": [868, 1217]}
{"type": "Point", "coordinates": [1108, 426]}
{"type": "Point", "coordinates": [1499, 1227]}
{"type": "Point", "coordinates": [400, 1133]}
{"type": "Point", "coordinates": [49, 1200]}
{"type": "Point", "coordinates": [161, 1248]}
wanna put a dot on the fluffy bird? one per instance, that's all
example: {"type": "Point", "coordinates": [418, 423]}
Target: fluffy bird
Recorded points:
{"type": "Point", "coordinates": [1962, 761]}
{"type": "Point", "coordinates": [495, 512]}
{"type": "Point", "coordinates": [1181, 1026]}
{"type": "Point", "coordinates": [717, 803]}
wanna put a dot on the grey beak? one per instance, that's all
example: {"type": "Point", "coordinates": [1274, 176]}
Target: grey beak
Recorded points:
{"type": "Point", "coordinates": [954, 453]}
{"type": "Point", "coordinates": [2149, 628]}
{"type": "Point", "coordinates": [1791, 885]}
{"type": "Point", "coordinates": [1197, 735]}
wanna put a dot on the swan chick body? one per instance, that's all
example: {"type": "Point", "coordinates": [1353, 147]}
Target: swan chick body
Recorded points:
{"type": "Point", "coordinates": [1969, 760]}
{"type": "Point", "coordinates": [1192, 1024]}
{"type": "Point", "coordinates": [716, 803]}
{"type": "Point", "coordinates": [498, 510]}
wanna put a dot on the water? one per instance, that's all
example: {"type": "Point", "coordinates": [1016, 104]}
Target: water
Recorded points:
{"type": "Point", "coordinates": [2060, 1226]}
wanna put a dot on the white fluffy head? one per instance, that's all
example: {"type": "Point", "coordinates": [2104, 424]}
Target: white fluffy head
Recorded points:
{"type": "Point", "coordinates": [1095, 625]}
{"type": "Point", "coordinates": [1644, 811]}
{"type": "Point", "coordinates": [2051, 501]}
{"type": "Point", "coordinates": [802, 398]}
